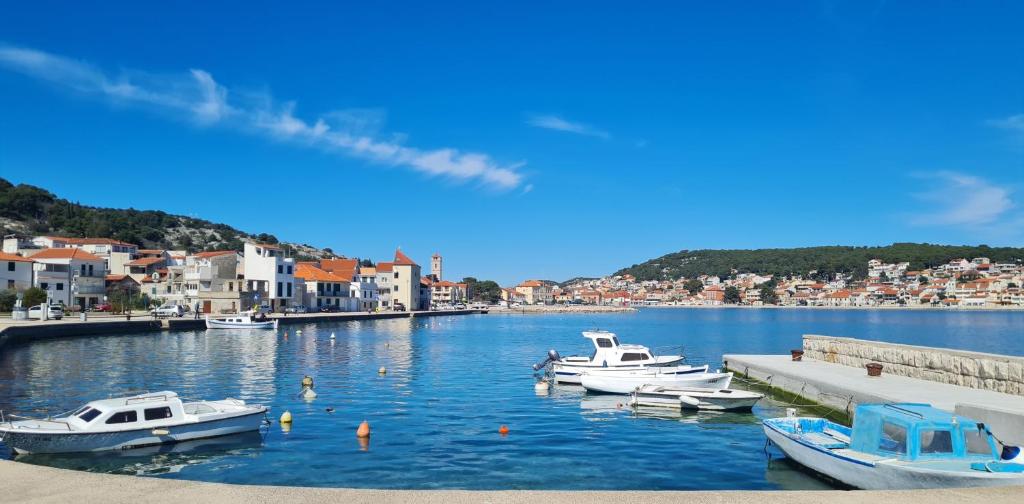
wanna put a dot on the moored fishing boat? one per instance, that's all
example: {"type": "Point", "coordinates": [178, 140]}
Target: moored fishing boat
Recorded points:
{"type": "Point", "coordinates": [608, 354]}
{"type": "Point", "coordinates": [130, 422]}
{"type": "Point", "coordinates": [898, 446]}
{"type": "Point", "coordinates": [240, 321]}
{"type": "Point", "coordinates": [625, 382]}
{"type": "Point", "coordinates": [693, 398]}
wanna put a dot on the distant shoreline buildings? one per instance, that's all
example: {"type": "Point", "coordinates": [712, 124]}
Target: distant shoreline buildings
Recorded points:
{"type": "Point", "coordinates": [975, 283]}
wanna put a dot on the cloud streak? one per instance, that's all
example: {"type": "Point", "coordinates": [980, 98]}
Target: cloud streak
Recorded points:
{"type": "Point", "coordinates": [553, 122]}
{"type": "Point", "coordinates": [200, 98]}
{"type": "Point", "coordinates": [964, 200]}
{"type": "Point", "coordinates": [1014, 124]}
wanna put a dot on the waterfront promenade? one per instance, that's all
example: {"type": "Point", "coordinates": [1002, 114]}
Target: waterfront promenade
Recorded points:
{"type": "Point", "coordinates": [31, 483]}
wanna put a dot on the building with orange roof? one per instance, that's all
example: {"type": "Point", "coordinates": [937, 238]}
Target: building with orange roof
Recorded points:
{"type": "Point", "coordinates": [15, 272]}
{"type": "Point", "coordinates": [214, 283]}
{"type": "Point", "coordinates": [407, 292]}
{"type": "Point", "coordinates": [70, 276]}
{"type": "Point", "coordinates": [363, 289]}
{"type": "Point", "coordinates": [444, 292]}
{"type": "Point", "coordinates": [536, 292]}
{"type": "Point", "coordinates": [342, 267]}
{"type": "Point", "coordinates": [324, 288]}
{"type": "Point", "coordinates": [385, 275]}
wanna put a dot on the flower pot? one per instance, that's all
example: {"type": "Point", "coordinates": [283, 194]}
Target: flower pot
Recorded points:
{"type": "Point", "coordinates": [798, 355]}
{"type": "Point", "coordinates": [874, 369]}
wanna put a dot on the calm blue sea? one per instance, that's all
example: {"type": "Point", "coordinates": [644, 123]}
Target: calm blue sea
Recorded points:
{"type": "Point", "coordinates": [451, 382]}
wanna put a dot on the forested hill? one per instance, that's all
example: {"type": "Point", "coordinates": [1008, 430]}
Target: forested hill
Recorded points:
{"type": "Point", "coordinates": [826, 261]}
{"type": "Point", "coordinates": [30, 210]}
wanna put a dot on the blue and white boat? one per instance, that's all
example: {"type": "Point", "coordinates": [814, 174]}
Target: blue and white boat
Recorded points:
{"type": "Point", "coordinates": [898, 446]}
{"type": "Point", "coordinates": [130, 422]}
{"type": "Point", "coordinates": [608, 354]}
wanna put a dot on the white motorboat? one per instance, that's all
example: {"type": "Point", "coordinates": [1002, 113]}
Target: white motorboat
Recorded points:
{"type": "Point", "coordinates": [130, 422]}
{"type": "Point", "coordinates": [240, 321]}
{"type": "Point", "coordinates": [608, 353]}
{"type": "Point", "coordinates": [625, 382]}
{"type": "Point", "coordinates": [693, 398]}
{"type": "Point", "coordinates": [899, 446]}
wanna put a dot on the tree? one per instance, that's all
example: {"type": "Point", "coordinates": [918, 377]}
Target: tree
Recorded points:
{"type": "Point", "coordinates": [732, 295]}
{"type": "Point", "coordinates": [923, 280]}
{"type": "Point", "coordinates": [768, 295]}
{"type": "Point", "coordinates": [7, 300]}
{"type": "Point", "coordinates": [366, 263]}
{"type": "Point", "coordinates": [487, 291]}
{"type": "Point", "coordinates": [693, 286]}
{"type": "Point", "coordinates": [33, 296]}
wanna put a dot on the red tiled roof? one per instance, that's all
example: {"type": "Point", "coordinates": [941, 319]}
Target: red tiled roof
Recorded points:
{"type": "Point", "coordinates": [309, 272]}
{"type": "Point", "coordinates": [116, 278]}
{"type": "Point", "coordinates": [146, 261]}
{"type": "Point", "coordinates": [65, 253]}
{"type": "Point", "coordinates": [4, 256]}
{"type": "Point", "coordinates": [385, 267]}
{"type": "Point", "coordinates": [341, 267]}
{"type": "Point", "coordinates": [403, 260]}
{"type": "Point", "coordinates": [532, 283]}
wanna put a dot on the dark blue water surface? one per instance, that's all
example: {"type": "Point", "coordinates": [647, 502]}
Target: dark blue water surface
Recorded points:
{"type": "Point", "coordinates": [450, 383]}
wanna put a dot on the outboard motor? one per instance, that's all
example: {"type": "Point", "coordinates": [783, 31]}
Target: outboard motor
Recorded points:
{"type": "Point", "coordinates": [552, 357]}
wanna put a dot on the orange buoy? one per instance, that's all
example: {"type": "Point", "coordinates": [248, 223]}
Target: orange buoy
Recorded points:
{"type": "Point", "coordinates": [503, 430]}
{"type": "Point", "coordinates": [364, 430]}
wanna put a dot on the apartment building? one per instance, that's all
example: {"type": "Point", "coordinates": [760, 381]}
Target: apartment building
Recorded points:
{"type": "Point", "coordinates": [70, 275]}
{"type": "Point", "coordinates": [214, 281]}
{"type": "Point", "coordinates": [323, 288]}
{"type": "Point", "coordinates": [15, 272]}
{"type": "Point", "coordinates": [270, 275]}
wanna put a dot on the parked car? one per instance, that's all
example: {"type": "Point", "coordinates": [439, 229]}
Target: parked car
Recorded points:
{"type": "Point", "coordinates": [169, 310]}
{"type": "Point", "coordinates": [263, 309]}
{"type": "Point", "coordinates": [102, 307]}
{"type": "Point", "coordinates": [330, 309]}
{"type": "Point", "coordinates": [399, 307]}
{"type": "Point", "coordinates": [297, 309]}
{"type": "Point", "coordinates": [56, 311]}
{"type": "Point", "coordinates": [460, 306]}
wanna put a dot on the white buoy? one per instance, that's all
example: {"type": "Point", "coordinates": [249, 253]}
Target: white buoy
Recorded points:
{"type": "Point", "coordinates": [308, 393]}
{"type": "Point", "coordinates": [382, 370]}
{"type": "Point", "coordinates": [692, 401]}
{"type": "Point", "coordinates": [542, 386]}
{"type": "Point", "coordinates": [298, 332]}
{"type": "Point", "coordinates": [332, 335]}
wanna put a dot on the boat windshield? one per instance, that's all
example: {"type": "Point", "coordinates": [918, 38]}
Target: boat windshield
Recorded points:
{"type": "Point", "coordinates": [90, 415]}
{"type": "Point", "coordinates": [79, 411]}
{"type": "Point", "coordinates": [616, 340]}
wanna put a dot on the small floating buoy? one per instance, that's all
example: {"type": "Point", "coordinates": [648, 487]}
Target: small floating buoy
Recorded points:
{"type": "Point", "coordinates": [503, 430]}
{"type": "Point", "coordinates": [307, 381]}
{"type": "Point", "coordinates": [332, 335]}
{"type": "Point", "coordinates": [298, 332]}
{"type": "Point", "coordinates": [286, 417]}
{"type": "Point", "coordinates": [286, 427]}
{"type": "Point", "coordinates": [329, 409]}
{"type": "Point", "coordinates": [308, 393]}
{"type": "Point", "coordinates": [382, 370]}
{"type": "Point", "coordinates": [364, 430]}
{"type": "Point", "coordinates": [542, 386]}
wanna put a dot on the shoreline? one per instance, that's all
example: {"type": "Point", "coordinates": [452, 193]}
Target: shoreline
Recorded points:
{"type": "Point", "coordinates": [22, 482]}
{"type": "Point", "coordinates": [879, 308]}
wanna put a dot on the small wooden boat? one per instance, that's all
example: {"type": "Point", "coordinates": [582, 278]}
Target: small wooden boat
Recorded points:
{"type": "Point", "coordinates": [693, 398]}
{"type": "Point", "coordinates": [130, 422]}
{"type": "Point", "coordinates": [899, 446]}
{"type": "Point", "coordinates": [240, 321]}
{"type": "Point", "coordinates": [625, 382]}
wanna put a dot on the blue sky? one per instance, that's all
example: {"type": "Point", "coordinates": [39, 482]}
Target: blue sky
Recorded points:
{"type": "Point", "coordinates": [530, 140]}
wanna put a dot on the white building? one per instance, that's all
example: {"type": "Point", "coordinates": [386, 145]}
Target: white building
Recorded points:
{"type": "Point", "coordinates": [364, 289]}
{"type": "Point", "coordinates": [270, 274]}
{"type": "Point", "coordinates": [213, 280]}
{"type": "Point", "coordinates": [71, 276]}
{"type": "Point", "coordinates": [15, 272]}
{"type": "Point", "coordinates": [385, 277]}
{"type": "Point", "coordinates": [323, 288]}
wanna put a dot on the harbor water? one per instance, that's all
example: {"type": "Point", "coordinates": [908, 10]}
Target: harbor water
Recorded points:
{"type": "Point", "coordinates": [450, 383]}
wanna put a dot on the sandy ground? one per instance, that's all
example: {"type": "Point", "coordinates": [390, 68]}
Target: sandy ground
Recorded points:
{"type": "Point", "coordinates": [27, 483]}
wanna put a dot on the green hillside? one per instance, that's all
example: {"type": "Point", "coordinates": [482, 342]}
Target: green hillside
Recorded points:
{"type": "Point", "coordinates": [825, 261]}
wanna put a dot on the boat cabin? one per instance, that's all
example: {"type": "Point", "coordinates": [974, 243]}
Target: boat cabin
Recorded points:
{"type": "Point", "coordinates": [919, 432]}
{"type": "Point", "coordinates": [607, 349]}
{"type": "Point", "coordinates": [136, 412]}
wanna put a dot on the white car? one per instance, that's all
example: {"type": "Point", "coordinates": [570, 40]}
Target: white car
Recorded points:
{"type": "Point", "coordinates": [169, 310]}
{"type": "Point", "coordinates": [54, 312]}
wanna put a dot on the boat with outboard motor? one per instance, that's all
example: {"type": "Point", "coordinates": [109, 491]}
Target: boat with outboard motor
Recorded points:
{"type": "Point", "coordinates": [130, 422]}
{"type": "Point", "coordinates": [608, 354]}
{"type": "Point", "coordinates": [626, 381]}
{"type": "Point", "coordinates": [693, 398]}
{"type": "Point", "coordinates": [899, 446]}
{"type": "Point", "coordinates": [240, 321]}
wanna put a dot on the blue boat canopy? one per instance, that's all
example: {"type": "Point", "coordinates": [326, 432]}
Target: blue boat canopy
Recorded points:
{"type": "Point", "coordinates": [912, 431]}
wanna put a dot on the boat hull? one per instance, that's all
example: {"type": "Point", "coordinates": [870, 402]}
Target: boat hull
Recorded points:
{"type": "Point", "coordinates": [570, 372]}
{"type": "Point", "coordinates": [886, 474]}
{"type": "Point", "coordinates": [741, 401]}
{"type": "Point", "coordinates": [609, 384]}
{"type": "Point", "coordinates": [220, 324]}
{"type": "Point", "coordinates": [28, 442]}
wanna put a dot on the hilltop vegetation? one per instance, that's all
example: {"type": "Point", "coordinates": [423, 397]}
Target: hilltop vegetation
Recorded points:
{"type": "Point", "coordinates": [819, 262]}
{"type": "Point", "coordinates": [32, 210]}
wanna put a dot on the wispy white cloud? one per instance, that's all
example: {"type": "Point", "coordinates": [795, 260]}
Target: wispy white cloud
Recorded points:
{"type": "Point", "coordinates": [1014, 124]}
{"type": "Point", "coordinates": [197, 96]}
{"type": "Point", "coordinates": [554, 122]}
{"type": "Point", "coordinates": [957, 199]}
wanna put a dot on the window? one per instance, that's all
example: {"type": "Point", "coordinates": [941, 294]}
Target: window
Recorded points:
{"type": "Point", "coordinates": [936, 441]}
{"type": "Point", "coordinates": [158, 413]}
{"type": "Point", "coordinates": [44, 286]}
{"type": "Point", "coordinates": [60, 285]}
{"type": "Point", "coordinates": [89, 415]}
{"type": "Point", "coordinates": [10, 265]}
{"type": "Point", "coordinates": [90, 270]}
{"type": "Point", "coordinates": [277, 293]}
{"type": "Point", "coordinates": [83, 270]}
{"type": "Point", "coordinates": [394, 289]}
{"type": "Point", "coordinates": [123, 417]}
{"type": "Point", "coordinates": [604, 342]}
{"type": "Point", "coordinates": [893, 439]}
{"type": "Point", "coordinates": [616, 340]}
{"type": "Point", "coordinates": [631, 357]}
{"type": "Point", "coordinates": [280, 269]}
{"type": "Point", "coordinates": [79, 411]}
{"type": "Point", "coordinates": [396, 274]}
{"type": "Point", "coordinates": [289, 270]}
{"type": "Point", "coordinates": [289, 289]}
{"type": "Point", "coordinates": [10, 284]}
{"type": "Point", "coordinates": [977, 442]}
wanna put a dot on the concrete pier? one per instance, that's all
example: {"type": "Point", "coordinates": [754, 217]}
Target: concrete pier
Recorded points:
{"type": "Point", "coordinates": [24, 483]}
{"type": "Point", "coordinates": [843, 387]}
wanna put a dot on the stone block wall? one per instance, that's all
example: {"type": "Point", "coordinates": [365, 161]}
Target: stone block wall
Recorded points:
{"type": "Point", "coordinates": [998, 373]}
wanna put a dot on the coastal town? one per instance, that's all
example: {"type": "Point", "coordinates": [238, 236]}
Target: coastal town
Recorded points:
{"type": "Point", "coordinates": [103, 274]}
{"type": "Point", "coordinates": [960, 283]}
